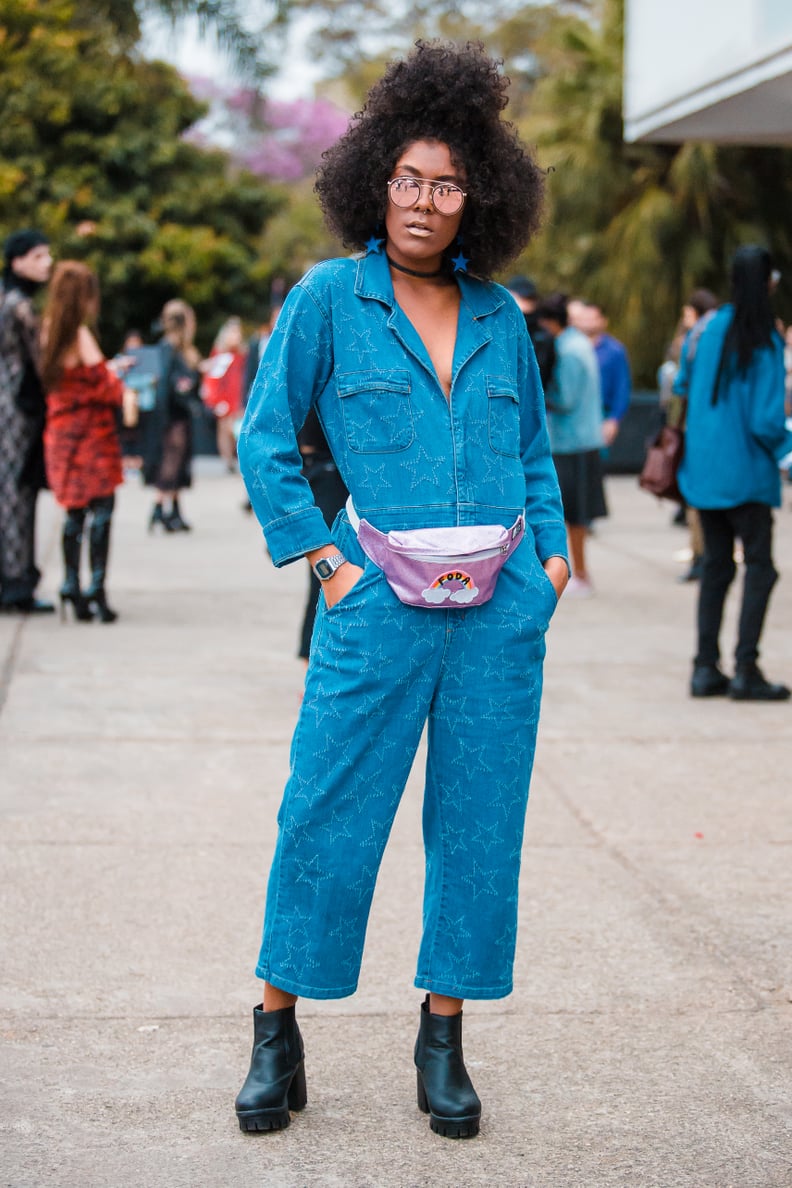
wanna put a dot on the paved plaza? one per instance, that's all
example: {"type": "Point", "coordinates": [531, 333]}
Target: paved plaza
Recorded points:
{"type": "Point", "coordinates": [648, 1043]}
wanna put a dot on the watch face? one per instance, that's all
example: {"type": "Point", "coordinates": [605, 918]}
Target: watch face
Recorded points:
{"type": "Point", "coordinates": [323, 569]}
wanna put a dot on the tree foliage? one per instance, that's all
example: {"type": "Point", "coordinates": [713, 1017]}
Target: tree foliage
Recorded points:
{"type": "Point", "coordinates": [347, 32]}
{"type": "Point", "coordinates": [92, 139]}
{"type": "Point", "coordinates": [254, 49]}
{"type": "Point", "coordinates": [281, 141]}
{"type": "Point", "coordinates": [92, 152]}
{"type": "Point", "coordinates": [637, 226]}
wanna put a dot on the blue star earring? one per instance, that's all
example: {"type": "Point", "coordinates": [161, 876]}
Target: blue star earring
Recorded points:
{"type": "Point", "coordinates": [374, 245]}
{"type": "Point", "coordinates": [460, 260]}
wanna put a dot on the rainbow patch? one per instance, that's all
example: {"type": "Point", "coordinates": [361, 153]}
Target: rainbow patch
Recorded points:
{"type": "Point", "coordinates": [452, 586]}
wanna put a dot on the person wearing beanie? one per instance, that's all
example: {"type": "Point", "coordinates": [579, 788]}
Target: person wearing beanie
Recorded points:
{"type": "Point", "coordinates": [27, 264]}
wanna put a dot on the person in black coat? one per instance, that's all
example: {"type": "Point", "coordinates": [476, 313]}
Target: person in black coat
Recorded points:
{"type": "Point", "coordinates": [523, 290]}
{"type": "Point", "coordinates": [168, 432]}
{"type": "Point", "coordinates": [27, 267]}
{"type": "Point", "coordinates": [330, 495]}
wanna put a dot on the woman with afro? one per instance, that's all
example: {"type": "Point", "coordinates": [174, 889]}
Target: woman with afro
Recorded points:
{"type": "Point", "coordinates": [422, 375]}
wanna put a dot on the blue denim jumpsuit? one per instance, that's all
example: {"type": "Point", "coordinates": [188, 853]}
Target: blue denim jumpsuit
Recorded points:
{"type": "Point", "coordinates": [379, 670]}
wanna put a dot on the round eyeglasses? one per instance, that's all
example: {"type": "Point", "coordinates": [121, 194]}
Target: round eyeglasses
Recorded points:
{"type": "Point", "coordinates": [447, 198]}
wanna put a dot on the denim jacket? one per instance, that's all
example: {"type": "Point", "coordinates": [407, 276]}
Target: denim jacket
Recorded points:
{"type": "Point", "coordinates": [410, 457]}
{"type": "Point", "coordinates": [575, 396]}
{"type": "Point", "coordinates": [732, 446]}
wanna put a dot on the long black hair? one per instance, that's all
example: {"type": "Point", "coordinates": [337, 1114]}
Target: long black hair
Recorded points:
{"type": "Point", "coordinates": [752, 324]}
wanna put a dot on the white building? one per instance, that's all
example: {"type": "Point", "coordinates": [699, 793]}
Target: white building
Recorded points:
{"type": "Point", "coordinates": [718, 70]}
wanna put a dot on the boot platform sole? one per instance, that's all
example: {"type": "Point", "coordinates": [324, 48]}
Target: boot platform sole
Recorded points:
{"type": "Point", "coordinates": [263, 1120]}
{"type": "Point", "coordinates": [466, 1126]}
{"type": "Point", "coordinates": [277, 1117]}
{"type": "Point", "coordinates": [773, 694]}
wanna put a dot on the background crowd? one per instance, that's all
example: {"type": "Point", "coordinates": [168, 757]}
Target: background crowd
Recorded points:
{"type": "Point", "coordinates": [74, 420]}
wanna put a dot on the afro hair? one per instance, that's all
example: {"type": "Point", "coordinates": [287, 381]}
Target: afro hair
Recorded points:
{"type": "Point", "coordinates": [453, 94]}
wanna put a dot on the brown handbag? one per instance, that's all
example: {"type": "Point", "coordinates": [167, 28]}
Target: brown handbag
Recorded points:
{"type": "Point", "coordinates": [664, 456]}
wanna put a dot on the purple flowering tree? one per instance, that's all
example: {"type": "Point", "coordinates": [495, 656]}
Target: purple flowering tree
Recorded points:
{"type": "Point", "coordinates": [277, 140]}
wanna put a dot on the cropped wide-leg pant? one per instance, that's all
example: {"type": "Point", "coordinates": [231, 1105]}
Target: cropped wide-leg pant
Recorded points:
{"type": "Point", "coordinates": [379, 672]}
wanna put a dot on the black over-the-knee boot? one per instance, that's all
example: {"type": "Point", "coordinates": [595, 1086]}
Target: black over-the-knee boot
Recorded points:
{"type": "Point", "coordinates": [445, 1091]}
{"type": "Point", "coordinates": [275, 1083]}
{"type": "Point", "coordinates": [72, 546]}
{"type": "Point", "coordinates": [99, 543]}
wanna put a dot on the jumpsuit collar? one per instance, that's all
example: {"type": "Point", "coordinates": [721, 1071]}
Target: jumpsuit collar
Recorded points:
{"type": "Point", "coordinates": [478, 299]}
{"type": "Point", "coordinates": [374, 281]}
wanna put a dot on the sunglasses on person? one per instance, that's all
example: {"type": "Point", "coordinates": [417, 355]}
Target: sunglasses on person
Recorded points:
{"type": "Point", "coordinates": [446, 198]}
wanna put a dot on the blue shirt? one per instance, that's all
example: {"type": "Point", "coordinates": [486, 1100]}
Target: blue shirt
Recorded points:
{"type": "Point", "coordinates": [574, 401]}
{"type": "Point", "coordinates": [409, 456]}
{"type": "Point", "coordinates": [614, 376]}
{"type": "Point", "coordinates": [732, 446]}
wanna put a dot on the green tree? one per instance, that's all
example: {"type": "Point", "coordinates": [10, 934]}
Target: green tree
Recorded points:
{"type": "Point", "coordinates": [92, 151]}
{"type": "Point", "coordinates": [254, 50]}
{"type": "Point", "coordinates": [636, 226]}
{"type": "Point", "coordinates": [296, 237]}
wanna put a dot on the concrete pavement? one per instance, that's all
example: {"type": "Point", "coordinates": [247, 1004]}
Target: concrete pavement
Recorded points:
{"type": "Point", "coordinates": [649, 1041]}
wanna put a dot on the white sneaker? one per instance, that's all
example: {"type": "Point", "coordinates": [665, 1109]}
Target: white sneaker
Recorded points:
{"type": "Point", "coordinates": [578, 588]}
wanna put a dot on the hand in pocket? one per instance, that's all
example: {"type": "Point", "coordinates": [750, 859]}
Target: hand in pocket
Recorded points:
{"type": "Point", "coordinates": [341, 583]}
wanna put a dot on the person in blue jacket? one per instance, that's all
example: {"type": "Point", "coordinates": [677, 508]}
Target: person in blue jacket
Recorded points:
{"type": "Point", "coordinates": [614, 368]}
{"type": "Point", "coordinates": [574, 422]}
{"type": "Point", "coordinates": [425, 383]}
{"type": "Point", "coordinates": [735, 434]}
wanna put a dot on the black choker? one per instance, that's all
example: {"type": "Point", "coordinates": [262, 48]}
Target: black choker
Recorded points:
{"type": "Point", "coordinates": [413, 271]}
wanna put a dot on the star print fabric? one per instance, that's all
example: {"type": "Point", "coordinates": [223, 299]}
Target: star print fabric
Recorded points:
{"type": "Point", "coordinates": [379, 671]}
{"type": "Point", "coordinates": [410, 457]}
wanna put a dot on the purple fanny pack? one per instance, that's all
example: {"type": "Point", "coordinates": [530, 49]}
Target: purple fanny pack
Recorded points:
{"type": "Point", "coordinates": [440, 567]}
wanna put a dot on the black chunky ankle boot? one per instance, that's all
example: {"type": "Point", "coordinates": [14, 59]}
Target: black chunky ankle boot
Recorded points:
{"type": "Point", "coordinates": [445, 1091]}
{"type": "Point", "coordinates": [750, 684]}
{"type": "Point", "coordinates": [276, 1081]}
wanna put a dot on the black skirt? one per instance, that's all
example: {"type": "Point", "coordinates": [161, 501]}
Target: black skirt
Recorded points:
{"type": "Point", "coordinates": [582, 491]}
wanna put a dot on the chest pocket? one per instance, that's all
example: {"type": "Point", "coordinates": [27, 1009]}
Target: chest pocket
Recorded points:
{"type": "Point", "coordinates": [503, 415]}
{"type": "Point", "coordinates": [376, 410]}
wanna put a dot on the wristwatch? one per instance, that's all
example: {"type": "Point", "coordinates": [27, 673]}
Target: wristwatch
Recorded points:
{"type": "Point", "coordinates": [325, 567]}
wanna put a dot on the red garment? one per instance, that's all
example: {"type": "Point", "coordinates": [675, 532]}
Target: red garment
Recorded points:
{"type": "Point", "coordinates": [81, 447]}
{"type": "Point", "coordinates": [222, 384]}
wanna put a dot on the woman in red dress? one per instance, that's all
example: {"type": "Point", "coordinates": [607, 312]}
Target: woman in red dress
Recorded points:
{"type": "Point", "coordinates": [224, 376]}
{"type": "Point", "coordinates": [81, 445]}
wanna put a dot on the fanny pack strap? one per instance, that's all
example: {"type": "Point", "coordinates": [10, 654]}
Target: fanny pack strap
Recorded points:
{"type": "Point", "coordinates": [515, 532]}
{"type": "Point", "coordinates": [354, 518]}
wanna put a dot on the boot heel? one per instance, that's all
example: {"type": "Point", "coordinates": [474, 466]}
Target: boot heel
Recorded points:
{"type": "Point", "coordinates": [298, 1090]}
{"type": "Point", "coordinates": [423, 1100]}
{"type": "Point", "coordinates": [97, 606]}
{"type": "Point", "coordinates": [80, 607]}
